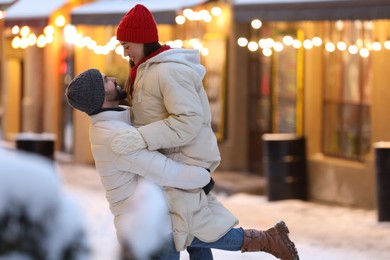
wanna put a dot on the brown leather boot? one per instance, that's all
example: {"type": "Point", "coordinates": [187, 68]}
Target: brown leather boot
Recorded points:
{"type": "Point", "coordinates": [274, 241]}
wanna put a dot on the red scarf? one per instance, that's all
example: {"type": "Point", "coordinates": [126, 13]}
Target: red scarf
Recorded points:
{"type": "Point", "coordinates": [133, 71]}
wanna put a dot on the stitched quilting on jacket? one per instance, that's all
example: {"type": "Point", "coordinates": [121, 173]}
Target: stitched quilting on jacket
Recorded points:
{"type": "Point", "coordinates": [171, 111]}
{"type": "Point", "coordinates": [126, 177]}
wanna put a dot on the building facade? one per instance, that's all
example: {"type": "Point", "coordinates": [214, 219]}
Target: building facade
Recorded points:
{"type": "Point", "coordinates": [315, 69]}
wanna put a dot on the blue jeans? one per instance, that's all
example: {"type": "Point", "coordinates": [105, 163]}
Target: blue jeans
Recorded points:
{"type": "Point", "coordinates": [199, 250]}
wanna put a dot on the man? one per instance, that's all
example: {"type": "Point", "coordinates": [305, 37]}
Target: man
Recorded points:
{"type": "Point", "coordinates": [119, 162]}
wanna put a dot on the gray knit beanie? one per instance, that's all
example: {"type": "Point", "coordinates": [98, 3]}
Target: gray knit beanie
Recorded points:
{"type": "Point", "coordinates": [86, 91]}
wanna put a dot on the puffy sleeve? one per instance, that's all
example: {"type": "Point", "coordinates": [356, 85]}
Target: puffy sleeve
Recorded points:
{"type": "Point", "coordinates": [164, 171]}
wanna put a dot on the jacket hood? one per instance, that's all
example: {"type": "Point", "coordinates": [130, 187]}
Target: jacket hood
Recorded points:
{"type": "Point", "coordinates": [188, 57]}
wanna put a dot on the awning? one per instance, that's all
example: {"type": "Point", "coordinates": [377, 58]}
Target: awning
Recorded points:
{"type": "Point", "coordinates": [295, 10]}
{"type": "Point", "coordinates": [110, 12]}
{"type": "Point", "coordinates": [32, 12]}
{"type": "Point", "coordinates": [5, 3]}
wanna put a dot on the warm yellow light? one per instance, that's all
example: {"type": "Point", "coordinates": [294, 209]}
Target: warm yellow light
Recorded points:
{"type": "Point", "coordinates": [317, 41]}
{"type": "Point", "coordinates": [364, 52]}
{"type": "Point", "coordinates": [207, 18]}
{"type": "Point", "coordinates": [2, 14]}
{"type": "Point", "coordinates": [262, 43]}
{"type": "Point", "coordinates": [278, 46]}
{"type": "Point", "coordinates": [41, 41]}
{"type": "Point", "coordinates": [119, 50]}
{"type": "Point", "coordinates": [60, 20]}
{"type": "Point", "coordinates": [92, 45]}
{"type": "Point", "coordinates": [49, 39]}
{"type": "Point", "coordinates": [204, 51]}
{"type": "Point", "coordinates": [256, 24]}
{"type": "Point", "coordinates": [253, 46]}
{"type": "Point", "coordinates": [341, 46]}
{"type": "Point", "coordinates": [24, 31]}
{"type": "Point", "coordinates": [288, 40]}
{"type": "Point", "coordinates": [387, 44]}
{"type": "Point", "coordinates": [296, 44]}
{"type": "Point", "coordinates": [49, 30]}
{"type": "Point", "coordinates": [267, 52]}
{"type": "Point", "coordinates": [269, 43]}
{"type": "Point", "coordinates": [353, 49]}
{"type": "Point", "coordinates": [187, 12]}
{"type": "Point", "coordinates": [178, 43]}
{"type": "Point", "coordinates": [32, 39]}
{"type": "Point", "coordinates": [376, 46]}
{"type": "Point", "coordinates": [308, 44]}
{"type": "Point", "coordinates": [180, 19]}
{"type": "Point", "coordinates": [216, 11]}
{"type": "Point", "coordinates": [23, 43]}
{"type": "Point", "coordinates": [16, 42]}
{"type": "Point", "coordinates": [330, 47]}
{"type": "Point", "coordinates": [242, 42]}
{"type": "Point", "coordinates": [15, 29]}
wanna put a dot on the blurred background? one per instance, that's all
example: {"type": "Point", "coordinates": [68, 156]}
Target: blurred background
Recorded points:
{"type": "Point", "coordinates": [298, 89]}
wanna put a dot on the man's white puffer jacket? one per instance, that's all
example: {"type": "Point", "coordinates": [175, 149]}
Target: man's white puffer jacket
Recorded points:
{"type": "Point", "coordinates": [130, 180]}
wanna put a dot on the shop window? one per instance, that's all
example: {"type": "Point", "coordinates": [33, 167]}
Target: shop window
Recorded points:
{"type": "Point", "coordinates": [347, 77]}
{"type": "Point", "coordinates": [287, 86]}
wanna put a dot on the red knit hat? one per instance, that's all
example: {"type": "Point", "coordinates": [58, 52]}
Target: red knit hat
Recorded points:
{"type": "Point", "coordinates": [138, 26]}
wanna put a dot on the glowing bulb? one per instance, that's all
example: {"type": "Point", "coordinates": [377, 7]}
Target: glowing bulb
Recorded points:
{"type": "Point", "coordinates": [41, 41]}
{"type": "Point", "coordinates": [16, 42]}
{"type": "Point", "coordinates": [269, 43]}
{"type": "Point", "coordinates": [216, 11]}
{"type": "Point", "coordinates": [330, 47]}
{"type": "Point", "coordinates": [267, 52]}
{"type": "Point", "coordinates": [376, 46]}
{"type": "Point", "coordinates": [188, 12]}
{"type": "Point", "coordinates": [204, 51]}
{"type": "Point", "coordinates": [24, 31]}
{"type": "Point", "coordinates": [256, 24]}
{"type": "Point", "coordinates": [387, 44]}
{"type": "Point", "coordinates": [15, 29]}
{"type": "Point", "coordinates": [23, 43]}
{"type": "Point", "coordinates": [353, 49]}
{"type": "Point", "coordinates": [364, 52]}
{"type": "Point", "coordinates": [278, 46]}
{"type": "Point", "coordinates": [308, 44]}
{"type": "Point", "coordinates": [242, 42]}
{"type": "Point", "coordinates": [180, 19]}
{"type": "Point", "coordinates": [297, 44]}
{"type": "Point", "coordinates": [49, 30]}
{"type": "Point", "coordinates": [253, 46]}
{"type": "Point", "coordinates": [60, 20]}
{"type": "Point", "coordinates": [317, 41]}
{"type": "Point", "coordinates": [32, 39]}
{"type": "Point", "coordinates": [288, 40]}
{"type": "Point", "coordinates": [341, 46]}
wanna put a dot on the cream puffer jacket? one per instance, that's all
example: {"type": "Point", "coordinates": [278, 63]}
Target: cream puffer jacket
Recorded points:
{"type": "Point", "coordinates": [171, 111]}
{"type": "Point", "coordinates": [124, 178]}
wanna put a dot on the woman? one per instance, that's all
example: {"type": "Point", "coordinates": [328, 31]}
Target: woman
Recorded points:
{"type": "Point", "coordinates": [171, 111]}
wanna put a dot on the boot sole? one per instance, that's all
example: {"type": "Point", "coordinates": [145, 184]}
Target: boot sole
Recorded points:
{"type": "Point", "coordinates": [283, 232]}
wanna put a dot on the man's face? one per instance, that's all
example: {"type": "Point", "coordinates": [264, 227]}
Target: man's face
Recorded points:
{"type": "Point", "coordinates": [113, 91]}
{"type": "Point", "coordinates": [135, 51]}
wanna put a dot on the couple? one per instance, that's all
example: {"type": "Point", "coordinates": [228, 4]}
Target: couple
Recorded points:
{"type": "Point", "coordinates": [169, 156]}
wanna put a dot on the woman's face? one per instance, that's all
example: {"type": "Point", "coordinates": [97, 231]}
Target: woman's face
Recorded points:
{"type": "Point", "coordinates": [135, 51]}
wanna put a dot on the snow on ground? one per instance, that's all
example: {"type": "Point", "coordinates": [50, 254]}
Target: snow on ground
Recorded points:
{"type": "Point", "coordinates": [320, 232]}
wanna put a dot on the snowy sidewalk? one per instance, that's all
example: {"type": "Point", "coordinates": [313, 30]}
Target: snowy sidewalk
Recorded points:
{"type": "Point", "coordinates": [320, 232]}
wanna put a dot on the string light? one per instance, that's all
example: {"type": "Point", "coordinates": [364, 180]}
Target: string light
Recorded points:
{"type": "Point", "coordinates": [253, 46]}
{"type": "Point", "coordinates": [244, 42]}
{"type": "Point", "coordinates": [256, 24]}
